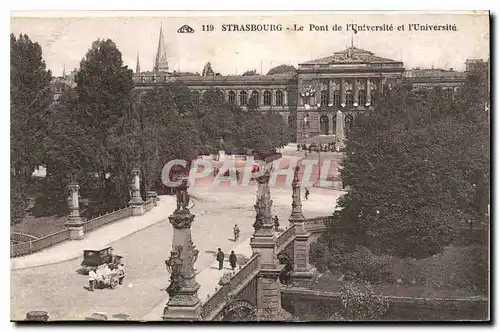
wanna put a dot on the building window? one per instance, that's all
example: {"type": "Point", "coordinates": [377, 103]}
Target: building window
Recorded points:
{"type": "Point", "coordinates": [362, 97]}
{"type": "Point", "coordinates": [348, 97]}
{"type": "Point", "coordinates": [279, 98]}
{"type": "Point", "coordinates": [336, 97]}
{"type": "Point", "coordinates": [349, 122]}
{"type": "Point", "coordinates": [267, 98]}
{"type": "Point", "coordinates": [231, 97]}
{"type": "Point", "coordinates": [448, 94]}
{"type": "Point", "coordinates": [324, 97]}
{"type": "Point", "coordinates": [243, 98]}
{"type": "Point", "coordinates": [254, 99]}
{"type": "Point", "coordinates": [373, 96]}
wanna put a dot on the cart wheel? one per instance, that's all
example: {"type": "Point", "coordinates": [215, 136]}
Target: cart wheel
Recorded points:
{"type": "Point", "coordinates": [113, 282]}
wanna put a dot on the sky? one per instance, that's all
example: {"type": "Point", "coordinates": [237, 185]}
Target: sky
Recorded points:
{"type": "Point", "coordinates": [65, 37]}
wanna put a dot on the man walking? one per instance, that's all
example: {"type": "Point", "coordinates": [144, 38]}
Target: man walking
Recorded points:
{"type": "Point", "coordinates": [307, 194]}
{"type": "Point", "coordinates": [220, 258]}
{"type": "Point", "coordinates": [232, 260]}
{"type": "Point", "coordinates": [236, 232]}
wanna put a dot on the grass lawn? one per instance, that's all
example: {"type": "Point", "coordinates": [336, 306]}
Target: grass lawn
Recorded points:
{"type": "Point", "coordinates": [39, 226]}
{"type": "Point", "coordinates": [458, 271]}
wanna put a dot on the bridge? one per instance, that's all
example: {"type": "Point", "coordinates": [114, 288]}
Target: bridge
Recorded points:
{"type": "Point", "coordinates": [254, 291]}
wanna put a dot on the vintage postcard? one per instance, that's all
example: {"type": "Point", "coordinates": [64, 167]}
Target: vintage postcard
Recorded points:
{"type": "Point", "coordinates": [250, 166]}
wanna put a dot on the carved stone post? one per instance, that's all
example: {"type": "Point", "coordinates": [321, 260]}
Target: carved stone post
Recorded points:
{"type": "Point", "coordinates": [136, 202]}
{"type": "Point", "coordinates": [263, 243]}
{"type": "Point", "coordinates": [302, 271]}
{"type": "Point", "coordinates": [74, 223]}
{"type": "Point", "coordinates": [184, 303]}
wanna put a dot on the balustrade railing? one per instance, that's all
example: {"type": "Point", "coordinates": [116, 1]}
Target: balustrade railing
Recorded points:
{"type": "Point", "coordinates": [26, 248]}
{"type": "Point", "coordinates": [287, 235]}
{"type": "Point", "coordinates": [106, 219]}
{"type": "Point", "coordinates": [217, 301]}
{"type": "Point", "coordinates": [316, 223]}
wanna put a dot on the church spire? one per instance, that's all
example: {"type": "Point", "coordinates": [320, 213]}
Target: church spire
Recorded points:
{"type": "Point", "coordinates": [161, 63]}
{"type": "Point", "coordinates": [64, 70]}
{"type": "Point", "coordinates": [137, 66]}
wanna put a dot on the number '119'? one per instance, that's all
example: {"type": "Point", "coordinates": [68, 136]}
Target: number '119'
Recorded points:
{"type": "Point", "coordinates": [207, 27]}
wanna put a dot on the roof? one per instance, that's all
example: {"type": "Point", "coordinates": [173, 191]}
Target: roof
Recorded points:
{"type": "Point", "coordinates": [349, 55]}
{"type": "Point", "coordinates": [433, 73]}
{"type": "Point", "coordinates": [220, 79]}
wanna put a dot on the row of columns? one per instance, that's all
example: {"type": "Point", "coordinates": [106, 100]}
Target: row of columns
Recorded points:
{"type": "Point", "coordinates": [342, 88]}
{"type": "Point", "coordinates": [75, 221]}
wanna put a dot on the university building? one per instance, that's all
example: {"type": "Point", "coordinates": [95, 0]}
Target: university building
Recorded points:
{"type": "Point", "coordinates": [309, 98]}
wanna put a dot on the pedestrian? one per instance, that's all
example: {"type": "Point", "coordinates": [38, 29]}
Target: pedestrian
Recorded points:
{"type": "Point", "coordinates": [121, 273]}
{"type": "Point", "coordinates": [310, 148]}
{"type": "Point", "coordinates": [276, 223]}
{"type": "Point", "coordinates": [307, 194]}
{"type": "Point", "coordinates": [236, 232]}
{"type": "Point", "coordinates": [232, 260]}
{"type": "Point", "coordinates": [92, 279]}
{"type": "Point", "coordinates": [220, 258]}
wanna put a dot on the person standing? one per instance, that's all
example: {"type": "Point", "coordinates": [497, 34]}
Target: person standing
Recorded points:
{"type": "Point", "coordinates": [232, 260]}
{"type": "Point", "coordinates": [92, 279]}
{"type": "Point", "coordinates": [236, 232]}
{"type": "Point", "coordinates": [276, 223]}
{"type": "Point", "coordinates": [307, 194]}
{"type": "Point", "coordinates": [220, 258]}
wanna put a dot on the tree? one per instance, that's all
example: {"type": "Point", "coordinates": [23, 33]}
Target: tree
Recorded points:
{"type": "Point", "coordinates": [412, 168]}
{"type": "Point", "coordinates": [282, 69]}
{"type": "Point", "coordinates": [250, 73]}
{"type": "Point", "coordinates": [30, 97]}
{"type": "Point", "coordinates": [207, 70]}
{"type": "Point", "coordinates": [104, 89]}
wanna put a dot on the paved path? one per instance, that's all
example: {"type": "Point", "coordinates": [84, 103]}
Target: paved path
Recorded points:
{"type": "Point", "coordinates": [97, 239]}
{"type": "Point", "coordinates": [208, 279]}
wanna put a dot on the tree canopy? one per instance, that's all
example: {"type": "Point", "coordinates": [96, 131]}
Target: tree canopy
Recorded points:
{"type": "Point", "coordinates": [30, 97]}
{"type": "Point", "coordinates": [418, 171]}
{"type": "Point", "coordinates": [282, 69]}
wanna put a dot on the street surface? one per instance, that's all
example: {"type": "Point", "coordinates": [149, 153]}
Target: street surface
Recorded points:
{"type": "Point", "coordinates": [58, 288]}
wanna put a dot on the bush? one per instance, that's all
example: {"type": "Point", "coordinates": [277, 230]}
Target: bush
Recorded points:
{"type": "Point", "coordinates": [366, 266]}
{"type": "Point", "coordinates": [361, 304]}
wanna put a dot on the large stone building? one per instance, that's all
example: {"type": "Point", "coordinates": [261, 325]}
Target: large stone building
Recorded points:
{"type": "Point", "coordinates": [310, 98]}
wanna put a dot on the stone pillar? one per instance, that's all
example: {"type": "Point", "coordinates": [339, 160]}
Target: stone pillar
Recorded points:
{"type": "Point", "coordinates": [263, 243]}
{"type": "Point", "coordinates": [237, 97]}
{"type": "Point", "coordinates": [368, 91]}
{"type": "Point", "coordinates": [339, 131]}
{"type": "Point", "coordinates": [136, 202]}
{"type": "Point", "coordinates": [342, 90]}
{"type": "Point", "coordinates": [273, 98]}
{"type": "Point", "coordinates": [302, 271]}
{"type": "Point", "coordinates": [330, 124]}
{"type": "Point", "coordinates": [317, 96]}
{"type": "Point", "coordinates": [355, 89]}
{"type": "Point", "coordinates": [183, 303]}
{"type": "Point", "coordinates": [285, 97]}
{"type": "Point", "coordinates": [330, 92]}
{"type": "Point", "coordinates": [261, 97]}
{"type": "Point", "coordinates": [74, 223]}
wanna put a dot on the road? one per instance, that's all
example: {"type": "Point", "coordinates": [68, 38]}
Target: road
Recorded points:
{"type": "Point", "coordinates": [58, 288]}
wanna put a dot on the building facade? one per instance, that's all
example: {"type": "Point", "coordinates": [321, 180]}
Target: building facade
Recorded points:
{"type": "Point", "coordinates": [310, 98]}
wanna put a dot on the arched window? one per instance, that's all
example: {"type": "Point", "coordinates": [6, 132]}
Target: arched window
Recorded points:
{"type": "Point", "coordinates": [349, 122]}
{"type": "Point", "coordinates": [324, 125]}
{"type": "Point", "coordinates": [267, 98]}
{"type": "Point", "coordinates": [231, 97]}
{"type": "Point", "coordinates": [279, 98]}
{"type": "Point", "coordinates": [448, 94]}
{"type": "Point", "coordinates": [362, 98]}
{"type": "Point", "coordinates": [348, 97]}
{"type": "Point", "coordinates": [254, 98]}
{"type": "Point", "coordinates": [324, 98]}
{"type": "Point", "coordinates": [336, 98]}
{"type": "Point", "coordinates": [243, 98]}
